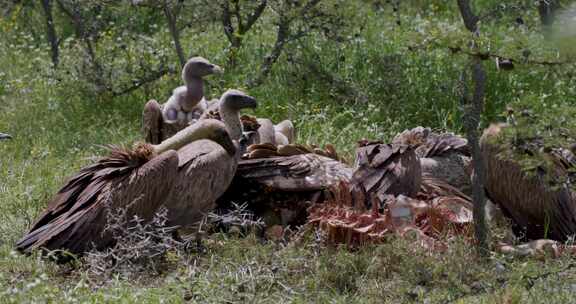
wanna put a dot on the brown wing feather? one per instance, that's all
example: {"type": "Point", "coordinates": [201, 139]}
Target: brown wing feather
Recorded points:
{"type": "Point", "coordinates": [533, 205]}
{"type": "Point", "coordinates": [75, 218]}
{"type": "Point", "coordinates": [431, 144]}
{"type": "Point", "coordinates": [386, 169]}
{"type": "Point", "coordinates": [304, 172]}
{"type": "Point", "coordinates": [152, 121]}
{"type": "Point", "coordinates": [205, 171]}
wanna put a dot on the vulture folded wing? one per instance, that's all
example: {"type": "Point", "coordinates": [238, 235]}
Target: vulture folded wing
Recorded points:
{"type": "Point", "coordinates": [152, 121]}
{"type": "Point", "coordinates": [387, 169]}
{"type": "Point", "coordinates": [440, 144]}
{"type": "Point", "coordinates": [304, 172]}
{"type": "Point", "coordinates": [75, 219]}
{"type": "Point", "coordinates": [205, 171]}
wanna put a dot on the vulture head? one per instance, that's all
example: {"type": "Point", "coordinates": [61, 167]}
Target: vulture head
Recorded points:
{"type": "Point", "coordinates": [4, 136]}
{"type": "Point", "coordinates": [230, 104]}
{"type": "Point", "coordinates": [198, 67]}
{"type": "Point", "coordinates": [237, 100]}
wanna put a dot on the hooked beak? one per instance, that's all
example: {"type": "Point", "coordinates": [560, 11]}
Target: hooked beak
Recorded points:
{"type": "Point", "coordinates": [217, 70]}
{"type": "Point", "coordinates": [5, 136]}
{"type": "Point", "coordinates": [249, 102]}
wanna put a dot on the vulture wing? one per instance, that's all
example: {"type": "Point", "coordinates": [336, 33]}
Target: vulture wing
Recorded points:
{"type": "Point", "coordinates": [304, 172]}
{"type": "Point", "coordinates": [538, 209]}
{"type": "Point", "coordinates": [205, 170]}
{"type": "Point", "coordinates": [383, 169]}
{"type": "Point", "coordinates": [75, 219]}
{"type": "Point", "coordinates": [152, 121]}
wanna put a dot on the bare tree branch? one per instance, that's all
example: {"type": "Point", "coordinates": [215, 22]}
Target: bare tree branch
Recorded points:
{"type": "Point", "coordinates": [151, 77]}
{"type": "Point", "coordinates": [51, 32]}
{"type": "Point", "coordinates": [470, 20]}
{"type": "Point", "coordinates": [171, 18]}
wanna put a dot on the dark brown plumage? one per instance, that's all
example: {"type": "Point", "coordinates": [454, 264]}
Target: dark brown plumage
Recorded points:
{"type": "Point", "coordinates": [304, 172]}
{"type": "Point", "coordinates": [537, 209]}
{"type": "Point", "coordinates": [383, 169]}
{"type": "Point", "coordinates": [445, 156]}
{"type": "Point", "coordinates": [136, 180]}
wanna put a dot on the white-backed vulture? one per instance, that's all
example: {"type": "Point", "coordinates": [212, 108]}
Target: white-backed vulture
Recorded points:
{"type": "Point", "coordinates": [206, 170]}
{"type": "Point", "coordinates": [445, 156]}
{"type": "Point", "coordinates": [184, 106]}
{"type": "Point", "coordinates": [4, 136]}
{"type": "Point", "coordinates": [280, 134]}
{"type": "Point", "coordinates": [538, 209]}
{"type": "Point", "coordinates": [139, 180]}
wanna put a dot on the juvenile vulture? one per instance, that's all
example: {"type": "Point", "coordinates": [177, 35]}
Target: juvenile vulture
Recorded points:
{"type": "Point", "coordinates": [538, 209]}
{"type": "Point", "coordinates": [185, 105]}
{"type": "Point", "coordinates": [139, 180]}
{"type": "Point", "coordinates": [445, 156]}
{"type": "Point", "coordinates": [4, 136]}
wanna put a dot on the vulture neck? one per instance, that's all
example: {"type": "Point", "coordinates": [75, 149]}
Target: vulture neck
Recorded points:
{"type": "Point", "coordinates": [194, 93]}
{"type": "Point", "coordinates": [183, 137]}
{"type": "Point", "coordinates": [231, 119]}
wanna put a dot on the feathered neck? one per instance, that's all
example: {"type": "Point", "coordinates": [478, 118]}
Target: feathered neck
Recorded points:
{"type": "Point", "coordinates": [231, 119]}
{"type": "Point", "coordinates": [194, 93]}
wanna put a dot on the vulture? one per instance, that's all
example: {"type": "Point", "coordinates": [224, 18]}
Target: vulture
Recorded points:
{"type": "Point", "coordinates": [185, 174]}
{"type": "Point", "coordinates": [537, 208]}
{"type": "Point", "coordinates": [185, 105]}
{"type": "Point", "coordinates": [4, 136]}
{"type": "Point", "coordinates": [444, 156]}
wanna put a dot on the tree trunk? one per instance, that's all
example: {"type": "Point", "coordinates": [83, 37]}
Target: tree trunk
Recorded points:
{"type": "Point", "coordinates": [270, 59]}
{"type": "Point", "coordinates": [171, 18]}
{"type": "Point", "coordinates": [51, 31]}
{"type": "Point", "coordinates": [546, 9]}
{"type": "Point", "coordinates": [473, 108]}
{"type": "Point", "coordinates": [471, 124]}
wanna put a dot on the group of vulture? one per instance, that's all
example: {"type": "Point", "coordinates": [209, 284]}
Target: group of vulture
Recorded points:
{"type": "Point", "coordinates": [201, 155]}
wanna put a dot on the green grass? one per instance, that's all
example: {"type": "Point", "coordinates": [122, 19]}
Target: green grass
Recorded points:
{"type": "Point", "coordinates": [58, 124]}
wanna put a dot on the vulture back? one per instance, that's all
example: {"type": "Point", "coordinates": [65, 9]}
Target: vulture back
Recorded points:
{"type": "Point", "coordinates": [536, 209]}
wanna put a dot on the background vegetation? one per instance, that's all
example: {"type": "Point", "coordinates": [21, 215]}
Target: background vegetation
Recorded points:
{"type": "Point", "coordinates": [341, 70]}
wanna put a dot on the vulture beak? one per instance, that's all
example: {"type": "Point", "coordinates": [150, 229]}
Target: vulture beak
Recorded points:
{"type": "Point", "coordinates": [249, 102]}
{"type": "Point", "coordinates": [217, 70]}
{"type": "Point", "coordinates": [5, 136]}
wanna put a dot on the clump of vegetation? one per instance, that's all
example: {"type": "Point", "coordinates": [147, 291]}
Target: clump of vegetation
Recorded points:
{"type": "Point", "coordinates": [141, 247]}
